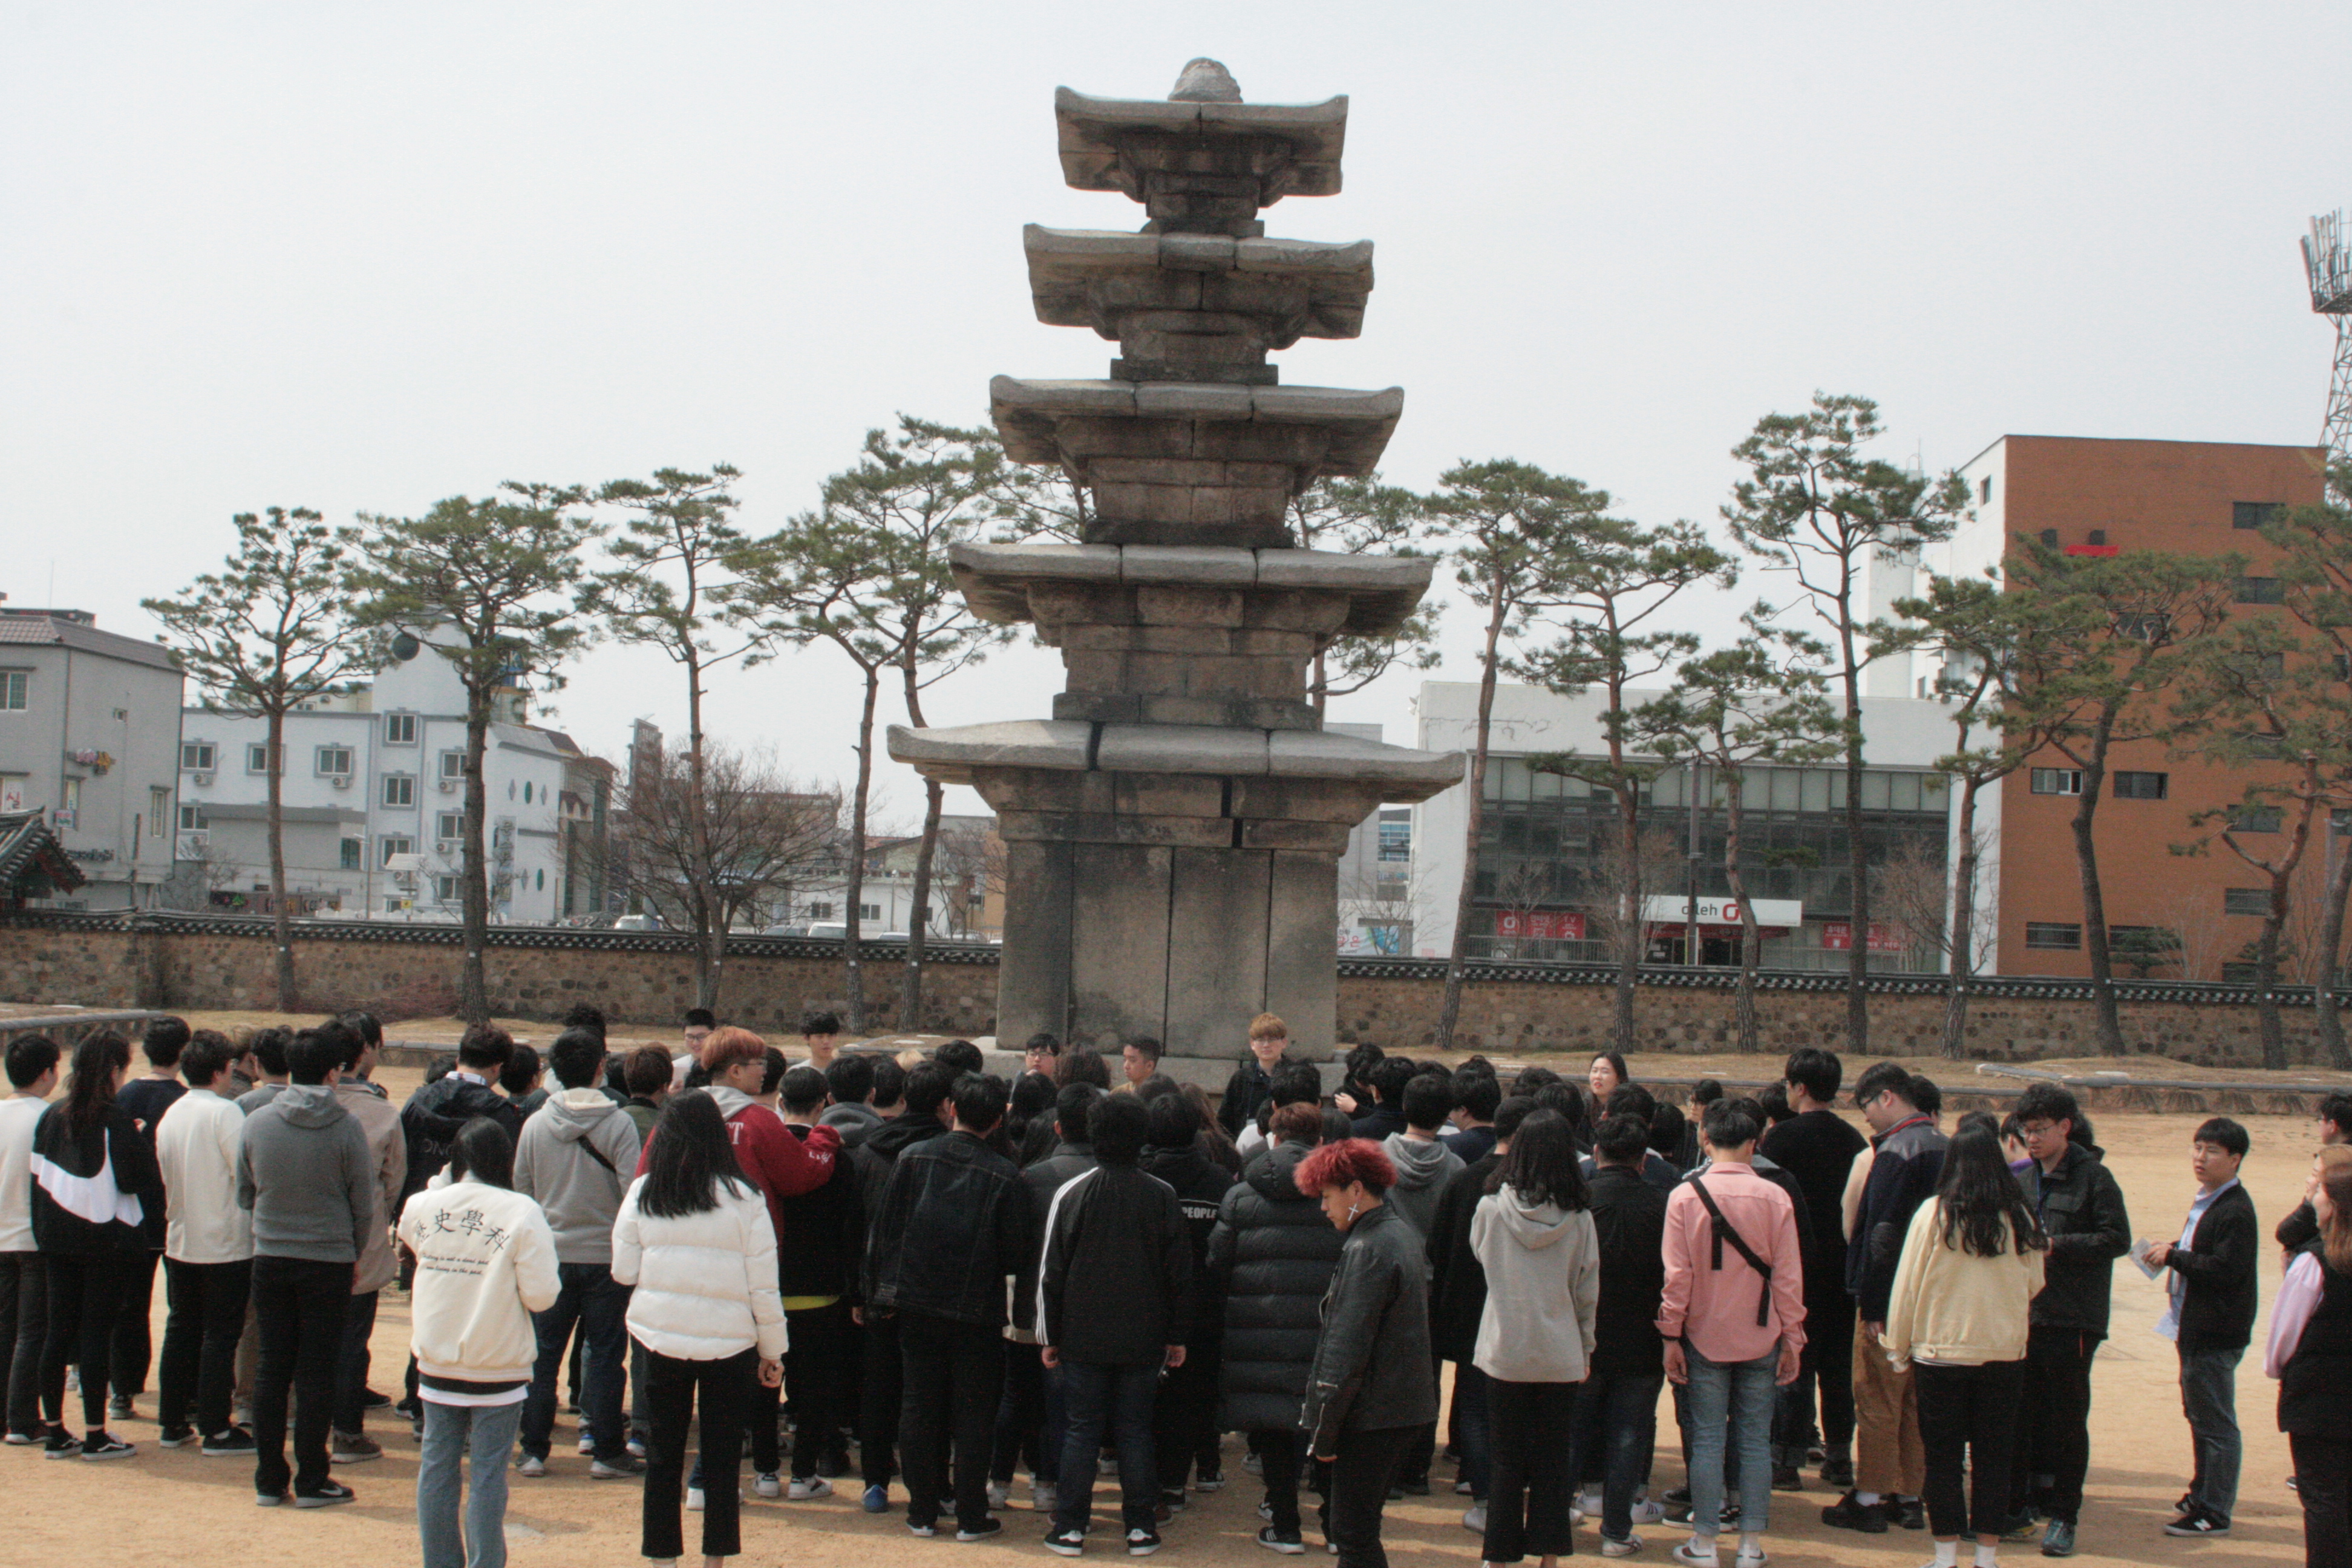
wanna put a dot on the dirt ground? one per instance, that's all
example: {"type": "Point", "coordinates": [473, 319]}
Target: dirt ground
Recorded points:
{"type": "Point", "coordinates": [179, 1507]}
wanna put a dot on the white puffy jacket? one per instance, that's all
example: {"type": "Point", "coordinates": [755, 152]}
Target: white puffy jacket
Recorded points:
{"type": "Point", "coordinates": [705, 1284]}
{"type": "Point", "coordinates": [485, 1263]}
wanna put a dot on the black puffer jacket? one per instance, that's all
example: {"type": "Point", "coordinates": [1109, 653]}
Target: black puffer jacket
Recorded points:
{"type": "Point", "coordinates": [436, 1113]}
{"type": "Point", "coordinates": [874, 1158]}
{"type": "Point", "coordinates": [1271, 1256]}
{"type": "Point", "coordinates": [1371, 1368]}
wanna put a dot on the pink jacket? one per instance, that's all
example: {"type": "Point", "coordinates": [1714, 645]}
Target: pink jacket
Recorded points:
{"type": "Point", "coordinates": [1712, 1307]}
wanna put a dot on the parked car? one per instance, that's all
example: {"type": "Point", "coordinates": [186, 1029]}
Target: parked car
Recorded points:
{"type": "Point", "coordinates": [637, 922]}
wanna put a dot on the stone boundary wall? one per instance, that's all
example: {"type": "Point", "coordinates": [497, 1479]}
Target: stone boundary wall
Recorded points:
{"type": "Point", "coordinates": [1508, 1009]}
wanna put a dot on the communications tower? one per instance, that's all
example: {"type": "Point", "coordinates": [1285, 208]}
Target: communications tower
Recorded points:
{"type": "Point", "coordinates": [2329, 260]}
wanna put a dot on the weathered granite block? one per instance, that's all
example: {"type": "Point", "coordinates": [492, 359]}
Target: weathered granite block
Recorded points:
{"type": "Point", "coordinates": [1119, 940]}
{"type": "Point", "coordinates": [1293, 611]}
{"type": "Point", "coordinates": [1099, 708]}
{"type": "Point", "coordinates": [1217, 958]}
{"type": "Point", "coordinates": [1167, 607]}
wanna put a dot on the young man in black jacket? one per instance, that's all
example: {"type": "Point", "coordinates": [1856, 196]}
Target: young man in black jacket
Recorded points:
{"type": "Point", "coordinates": [881, 1383]}
{"type": "Point", "coordinates": [1616, 1413]}
{"type": "Point", "coordinates": [1817, 1148]}
{"type": "Point", "coordinates": [951, 1229]}
{"type": "Point", "coordinates": [817, 1276]}
{"type": "Point", "coordinates": [1457, 1299]}
{"type": "Point", "coordinates": [435, 1112]}
{"type": "Point", "coordinates": [1114, 1308]}
{"type": "Point", "coordinates": [2210, 1317]}
{"type": "Point", "coordinates": [2082, 1213]}
{"type": "Point", "coordinates": [1184, 1420]}
{"type": "Point", "coordinates": [1269, 1036]}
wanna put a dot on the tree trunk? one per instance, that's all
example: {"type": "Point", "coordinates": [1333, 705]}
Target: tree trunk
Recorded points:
{"type": "Point", "coordinates": [1964, 918]}
{"type": "Point", "coordinates": [2095, 903]}
{"type": "Point", "coordinates": [473, 987]}
{"type": "Point", "coordinates": [1857, 966]}
{"type": "Point", "coordinates": [1751, 936]}
{"type": "Point", "coordinates": [1450, 1008]}
{"type": "Point", "coordinates": [855, 973]}
{"type": "Point", "coordinates": [910, 983]}
{"type": "Point", "coordinates": [281, 919]}
{"type": "Point", "coordinates": [1629, 951]}
{"type": "Point", "coordinates": [2269, 1027]}
{"type": "Point", "coordinates": [710, 954]}
{"type": "Point", "coordinates": [2331, 943]}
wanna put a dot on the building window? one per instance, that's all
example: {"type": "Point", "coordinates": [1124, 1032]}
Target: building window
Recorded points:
{"type": "Point", "coordinates": [2254, 818]}
{"type": "Point", "coordinates": [397, 844]}
{"type": "Point", "coordinates": [869, 913]}
{"type": "Point", "coordinates": [399, 729]}
{"type": "Point", "coordinates": [2245, 900]}
{"type": "Point", "coordinates": [449, 825]}
{"type": "Point", "coordinates": [2260, 591]}
{"type": "Point", "coordinates": [1396, 841]}
{"type": "Point", "coordinates": [820, 910]}
{"type": "Point", "coordinates": [2057, 781]}
{"type": "Point", "coordinates": [158, 806]}
{"type": "Point", "coordinates": [2253, 514]}
{"type": "Point", "coordinates": [16, 688]}
{"type": "Point", "coordinates": [197, 756]}
{"type": "Point", "coordinates": [352, 853]}
{"type": "Point", "coordinates": [453, 765]}
{"type": "Point", "coordinates": [334, 760]}
{"type": "Point", "coordinates": [539, 880]}
{"type": "Point", "coordinates": [2053, 935]}
{"type": "Point", "coordinates": [193, 819]}
{"type": "Point", "coordinates": [257, 758]}
{"type": "Point", "coordinates": [2141, 787]}
{"type": "Point", "coordinates": [399, 789]}
{"type": "Point", "coordinates": [444, 888]}
{"type": "Point", "coordinates": [526, 792]}
{"type": "Point", "coordinates": [2148, 628]}
{"type": "Point", "coordinates": [1984, 490]}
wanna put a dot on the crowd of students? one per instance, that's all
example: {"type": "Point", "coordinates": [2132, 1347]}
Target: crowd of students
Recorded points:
{"type": "Point", "coordinates": [965, 1277]}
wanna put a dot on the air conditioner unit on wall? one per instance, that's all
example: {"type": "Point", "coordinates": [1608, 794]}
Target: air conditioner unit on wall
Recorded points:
{"type": "Point", "coordinates": [340, 781]}
{"type": "Point", "coordinates": [448, 786]}
{"type": "Point", "coordinates": [446, 847]}
{"type": "Point", "coordinates": [204, 779]}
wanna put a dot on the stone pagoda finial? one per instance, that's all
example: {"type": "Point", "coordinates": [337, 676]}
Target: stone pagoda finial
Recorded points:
{"type": "Point", "coordinates": [1206, 82]}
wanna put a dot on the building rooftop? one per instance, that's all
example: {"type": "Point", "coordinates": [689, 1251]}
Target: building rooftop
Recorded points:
{"type": "Point", "coordinates": [78, 629]}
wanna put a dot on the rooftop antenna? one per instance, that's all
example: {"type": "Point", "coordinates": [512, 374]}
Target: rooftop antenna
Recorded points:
{"type": "Point", "coordinates": [2329, 260]}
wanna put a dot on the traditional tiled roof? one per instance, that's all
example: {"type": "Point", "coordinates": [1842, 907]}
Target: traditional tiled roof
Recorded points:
{"type": "Point", "coordinates": [28, 848]}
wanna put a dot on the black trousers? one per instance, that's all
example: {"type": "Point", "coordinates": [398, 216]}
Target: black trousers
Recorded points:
{"type": "Point", "coordinates": [1021, 1418]}
{"type": "Point", "coordinates": [351, 1364]}
{"type": "Point", "coordinates": [881, 1380]}
{"type": "Point", "coordinates": [298, 1307]}
{"type": "Point", "coordinates": [954, 1377]}
{"type": "Point", "coordinates": [1531, 1486]}
{"type": "Point", "coordinates": [1968, 1414]}
{"type": "Point", "coordinates": [673, 1390]}
{"type": "Point", "coordinates": [1184, 1418]}
{"type": "Point", "coordinates": [1278, 1463]}
{"type": "Point", "coordinates": [1364, 1465]}
{"type": "Point", "coordinates": [1826, 1367]}
{"type": "Point", "coordinates": [813, 1371]}
{"type": "Point", "coordinates": [23, 1330]}
{"type": "Point", "coordinates": [2053, 1422]}
{"type": "Point", "coordinates": [135, 1345]}
{"type": "Point", "coordinates": [2323, 1479]}
{"type": "Point", "coordinates": [85, 1295]}
{"type": "Point", "coordinates": [199, 1362]}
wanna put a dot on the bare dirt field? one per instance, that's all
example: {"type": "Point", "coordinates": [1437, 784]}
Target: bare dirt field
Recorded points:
{"type": "Point", "coordinates": [178, 1506]}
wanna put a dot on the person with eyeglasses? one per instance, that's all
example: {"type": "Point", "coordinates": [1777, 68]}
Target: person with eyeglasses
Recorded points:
{"type": "Point", "coordinates": [2080, 1207]}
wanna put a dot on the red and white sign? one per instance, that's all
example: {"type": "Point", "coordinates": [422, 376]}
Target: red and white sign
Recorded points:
{"type": "Point", "coordinates": [1838, 936]}
{"type": "Point", "coordinates": [1548, 925]}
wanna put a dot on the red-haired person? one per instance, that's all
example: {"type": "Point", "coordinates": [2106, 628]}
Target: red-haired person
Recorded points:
{"type": "Point", "coordinates": [1369, 1394]}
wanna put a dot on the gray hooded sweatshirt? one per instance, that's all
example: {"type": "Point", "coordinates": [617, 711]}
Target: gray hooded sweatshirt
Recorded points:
{"type": "Point", "coordinates": [1543, 1286]}
{"type": "Point", "coordinates": [304, 1169]}
{"type": "Point", "coordinates": [1421, 1169]}
{"type": "Point", "coordinates": [576, 1157]}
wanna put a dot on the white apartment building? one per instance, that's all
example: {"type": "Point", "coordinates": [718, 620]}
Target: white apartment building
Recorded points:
{"type": "Point", "coordinates": [378, 774]}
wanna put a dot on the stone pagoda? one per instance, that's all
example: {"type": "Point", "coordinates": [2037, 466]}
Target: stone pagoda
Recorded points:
{"type": "Point", "coordinates": [1173, 830]}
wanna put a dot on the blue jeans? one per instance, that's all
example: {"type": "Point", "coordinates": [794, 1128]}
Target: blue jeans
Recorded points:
{"type": "Point", "coordinates": [588, 1295]}
{"type": "Point", "coordinates": [1743, 1393]}
{"type": "Point", "coordinates": [1475, 1422]}
{"type": "Point", "coordinates": [1616, 1417]}
{"type": "Point", "coordinates": [482, 1436]}
{"type": "Point", "coordinates": [2209, 1397]}
{"type": "Point", "coordinates": [1102, 1395]}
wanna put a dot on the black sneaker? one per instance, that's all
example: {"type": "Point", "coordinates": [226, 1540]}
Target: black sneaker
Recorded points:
{"type": "Point", "coordinates": [925, 1530]}
{"type": "Point", "coordinates": [372, 1400]}
{"type": "Point", "coordinates": [1142, 1543]}
{"type": "Point", "coordinates": [1913, 1512]}
{"type": "Point", "coordinates": [61, 1444]}
{"type": "Point", "coordinates": [106, 1446]}
{"type": "Point", "coordinates": [1416, 1486]}
{"type": "Point", "coordinates": [1284, 1542]}
{"type": "Point", "coordinates": [1837, 1471]}
{"type": "Point", "coordinates": [986, 1530]}
{"type": "Point", "coordinates": [1208, 1480]}
{"type": "Point", "coordinates": [119, 1408]}
{"type": "Point", "coordinates": [237, 1442]}
{"type": "Point", "coordinates": [329, 1494]}
{"type": "Point", "coordinates": [2198, 1523]}
{"type": "Point", "coordinates": [1849, 1514]}
{"type": "Point", "coordinates": [1066, 1542]}
{"type": "Point", "coordinates": [1787, 1478]}
{"type": "Point", "coordinates": [175, 1436]}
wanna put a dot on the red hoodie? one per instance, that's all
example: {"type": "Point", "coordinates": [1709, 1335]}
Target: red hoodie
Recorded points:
{"type": "Point", "coordinates": [779, 1163]}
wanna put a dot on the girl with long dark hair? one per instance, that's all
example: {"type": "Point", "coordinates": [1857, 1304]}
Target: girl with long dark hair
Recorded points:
{"type": "Point", "coordinates": [2311, 1355]}
{"type": "Point", "coordinates": [694, 1237]}
{"type": "Point", "coordinates": [1606, 1075]}
{"type": "Point", "coordinates": [94, 1178]}
{"type": "Point", "coordinates": [1533, 1235]}
{"type": "Point", "coordinates": [485, 1263]}
{"type": "Point", "coordinates": [1971, 1264]}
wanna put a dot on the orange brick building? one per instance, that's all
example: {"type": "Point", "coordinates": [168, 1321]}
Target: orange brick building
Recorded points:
{"type": "Point", "coordinates": [2185, 495]}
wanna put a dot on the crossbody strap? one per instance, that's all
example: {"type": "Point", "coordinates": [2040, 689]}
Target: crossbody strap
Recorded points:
{"type": "Point", "coordinates": [1724, 1232]}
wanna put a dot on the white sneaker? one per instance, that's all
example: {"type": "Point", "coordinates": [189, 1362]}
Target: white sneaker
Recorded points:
{"type": "Point", "coordinates": [1694, 1555]}
{"type": "Point", "coordinates": [1589, 1504]}
{"type": "Point", "coordinates": [1045, 1496]}
{"type": "Point", "coordinates": [1625, 1548]}
{"type": "Point", "coordinates": [815, 1487]}
{"type": "Point", "coordinates": [694, 1500]}
{"type": "Point", "coordinates": [1475, 1521]}
{"type": "Point", "coordinates": [1752, 1557]}
{"type": "Point", "coordinates": [999, 1494]}
{"type": "Point", "coordinates": [1649, 1512]}
{"type": "Point", "coordinates": [587, 1445]}
{"type": "Point", "coordinates": [530, 1465]}
{"type": "Point", "coordinates": [766, 1485]}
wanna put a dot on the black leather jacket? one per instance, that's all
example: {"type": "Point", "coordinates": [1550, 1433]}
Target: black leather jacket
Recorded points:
{"type": "Point", "coordinates": [2082, 1209]}
{"type": "Point", "coordinates": [1371, 1370]}
{"type": "Point", "coordinates": [953, 1226]}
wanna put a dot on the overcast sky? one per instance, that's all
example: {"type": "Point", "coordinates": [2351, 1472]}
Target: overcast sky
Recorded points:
{"type": "Point", "coordinates": [362, 258]}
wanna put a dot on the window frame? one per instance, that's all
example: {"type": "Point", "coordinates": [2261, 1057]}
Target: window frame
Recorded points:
{"type": "Point", "coordinates": [208, 750]}
{"type": "Point", "coordinates": [15, 690]}
{"type": "Point", "coordinates": [318, 755]}
{"type": "Point", "coordinates": [2043, 930]}
{"type": "Point", "coordinates": [193, 819]}
{"type": "Point", "coordinates": [2056, 776]}
{"type": "Point", "coordinates": [2117, 791]}
{"type": "Point", "coordinates": [405, 785]}
{"type": "Point", "coordinates": [394, 723]}
{"type": "Point", "coordinates": [261, 749]}
{"type": "Point", "coordinates": [2258, 591]}
{"type": "Point", "coordinates": [2235, 899]}
{"type": "Point", "coordinates": [2257, 819]}
{"type": "Point", "coordinates": [2248, 516]}
{"type": "Point", "coordinates": [384, 851]}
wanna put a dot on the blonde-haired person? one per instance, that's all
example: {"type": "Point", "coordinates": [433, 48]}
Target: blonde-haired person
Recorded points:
{"type": "Point", "coordinates": [1252, 1081]}
{"type": "Point", "coordinates": [1958, 1317]}
{"type": "Point", "coordinates": [2311, 1355]}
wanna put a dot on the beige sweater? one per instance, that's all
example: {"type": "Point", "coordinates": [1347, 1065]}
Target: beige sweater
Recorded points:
{"type": "Point", "coordinates": [1955, 1309]}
